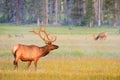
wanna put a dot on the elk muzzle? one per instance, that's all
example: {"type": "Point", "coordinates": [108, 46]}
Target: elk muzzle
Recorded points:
{"type": "Point", "coordinates": [56, 46]}
{"type": "Point", "coordinates": [52, 46]}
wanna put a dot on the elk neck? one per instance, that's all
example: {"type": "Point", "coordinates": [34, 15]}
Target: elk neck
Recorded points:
{"type": "Point", "coordinates": [45, 50]}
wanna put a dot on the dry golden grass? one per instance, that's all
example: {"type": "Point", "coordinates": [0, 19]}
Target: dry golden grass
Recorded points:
{"type": "Point", "coordinates": [64, 68]}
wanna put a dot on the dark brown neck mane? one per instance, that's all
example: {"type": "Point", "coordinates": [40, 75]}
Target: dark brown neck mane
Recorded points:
{"type": "Point", "coordinates": [45, 50]}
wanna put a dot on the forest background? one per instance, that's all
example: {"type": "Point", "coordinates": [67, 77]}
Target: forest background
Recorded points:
{"type": "Point", "coordinates": [61, 12]}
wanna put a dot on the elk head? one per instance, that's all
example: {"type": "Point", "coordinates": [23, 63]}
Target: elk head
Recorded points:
{"type": "Point", "coordinates": [46, 38]}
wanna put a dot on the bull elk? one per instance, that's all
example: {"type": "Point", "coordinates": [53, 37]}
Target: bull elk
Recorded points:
{"type": "Point", "coordinates": [29, 53]}
{"type": "Point", "coordinates": [100, 36]}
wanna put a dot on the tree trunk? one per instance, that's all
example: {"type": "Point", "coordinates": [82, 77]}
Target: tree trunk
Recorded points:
{"type": "Point", "coordinates": [38, 21]}
{"type": "Point", "coordinates": [84, 7]}
{"type": "Point", "coordinates": [56, 12]}
{"type": "Point", "coordinates": [17, 12]}
{"type": "Point", "coordinates": [46, 17]}
{"type": "Point", "coordinates": [115, 13]}
{"type": "Point", "coordinates": [95, 10]}
{"type": "Point", "coordinates": [99, 12]}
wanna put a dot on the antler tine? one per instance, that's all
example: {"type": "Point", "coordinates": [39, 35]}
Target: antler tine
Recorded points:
{"type": "Point", "coordinates": [47, 38]}
{"type": "Point", "coordinates": [50, 39]}
{"type": "Point", "coordinates": [54, 39]}
{"type": "Point", "coordinates": [33, 31]}
{"type": "Point", "coordinates": [46, 34]}
{"type": "Point", "coordinates": [38, 33]}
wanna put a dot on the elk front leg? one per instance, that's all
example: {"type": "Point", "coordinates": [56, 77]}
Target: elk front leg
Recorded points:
{"type": "Point", "coordinates": [29, 63]}
{"type": "Point", "coordinates": [35, 63]}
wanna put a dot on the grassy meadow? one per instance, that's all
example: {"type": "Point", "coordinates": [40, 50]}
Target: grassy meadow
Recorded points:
{"type": "Point", "coordinates": [79, 57]}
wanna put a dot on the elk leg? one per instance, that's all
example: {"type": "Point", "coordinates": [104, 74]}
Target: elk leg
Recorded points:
{"type": "Point", "coordinates": [15, 62]}
{"type": "Point", "coordinates": [29, 63]}
{"type": "Point", "coordinates": [35, 63]}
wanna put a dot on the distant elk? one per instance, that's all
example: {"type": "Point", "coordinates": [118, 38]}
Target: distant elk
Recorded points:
{"type": "Point", "coordinates": [29, 53]}
{"type": "Point", "coordinates": [100, 36]}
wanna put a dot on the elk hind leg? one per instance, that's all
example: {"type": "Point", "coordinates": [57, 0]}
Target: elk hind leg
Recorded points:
{"type": "Point", "coordinates": [15, 62]}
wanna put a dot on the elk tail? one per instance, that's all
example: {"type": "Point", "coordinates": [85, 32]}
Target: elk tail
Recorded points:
{"type": "Point", "coordinates": [14, 50]}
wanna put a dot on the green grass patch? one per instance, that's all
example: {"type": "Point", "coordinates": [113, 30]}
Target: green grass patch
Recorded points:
{"type": "Point", "coordinates": [5, 54]}
{"type": "Point", "coordinates": [24, 29]}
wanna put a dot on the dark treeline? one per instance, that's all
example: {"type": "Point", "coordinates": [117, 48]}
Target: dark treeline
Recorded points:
{"type": "Point", "coordinates": [61, 12]}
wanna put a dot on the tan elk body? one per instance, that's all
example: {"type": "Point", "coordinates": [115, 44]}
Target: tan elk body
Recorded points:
{"type": "Point", "coordinates": [29, 53]}
{"type": "Point", "coordinates": [100, 36]}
